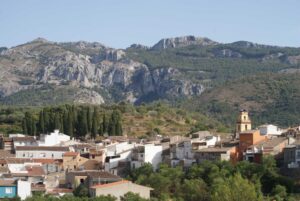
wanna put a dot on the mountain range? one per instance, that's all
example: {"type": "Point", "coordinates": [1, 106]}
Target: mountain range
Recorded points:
{"type": "Point", "coordinates": [186, 70]}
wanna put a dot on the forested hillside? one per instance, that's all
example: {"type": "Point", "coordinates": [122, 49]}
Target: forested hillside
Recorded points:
{"type": "Point", "coordinates": [270, 98]}
{"type": "Point", "coordinates": [94, 120]}
{"type": "Point", "coordinates": [197, 74]}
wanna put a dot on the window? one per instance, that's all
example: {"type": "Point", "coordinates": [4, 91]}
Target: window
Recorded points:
{"type": "Point", "coordinates": [246, 127]}
{"type": "Point", "coordinates": [52, 155]}
{"type": "Point", "coordinates": [8, 190]}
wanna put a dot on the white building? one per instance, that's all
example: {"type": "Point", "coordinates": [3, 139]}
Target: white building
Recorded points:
{"type": "Point", "coordinates": [112, 163]}
{"type": "Point", "coordinates": [23, 189]}
{"type": "Point", "coordinates": [53, 139]}
{"type": "Point", "coordinates": [148, 153]}
{"type": "Point", "coordinates": [24, 141]}
{"type": "Point", "coordinates": [183, 152]}
{"type": "Point", "coordinates": [116, 154]}
{"type": "Point", "coordinates": [269, 129]}
{"type": "Point", "coordinates": [116, 148]}
{"type": "Point", "coordinates": [52, 152]}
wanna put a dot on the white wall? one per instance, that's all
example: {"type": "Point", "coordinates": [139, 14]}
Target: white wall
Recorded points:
{"type": "Point", "coordinates": [153, 155]}
{"type": "Point", "coordinates": [24, 189]}
{"type": "Point", "coordinates": [184, 151]}
{"type": "Point", "coordinates": [269, 130]}
{"type": "Point", "coordinates": [113, 162]}
{"type": "Point", "coordinates": [55, 138]}
{"type": "Point", "coordinates": [39, 154]}
{"type": "Point", "coordinates": [20, 167]}
{"type": "Point", "coordinates": [115, 149]}
{"type": "Point", "coordinates": [24, 143]}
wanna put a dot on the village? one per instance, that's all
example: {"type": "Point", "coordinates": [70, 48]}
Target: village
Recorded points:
{"type": "Point", "coordinates": [56, 164]}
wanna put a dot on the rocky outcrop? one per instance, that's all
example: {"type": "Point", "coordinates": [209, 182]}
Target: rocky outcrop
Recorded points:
{"type": "Point", "coordinates": [182, 42]}
{"type": "Point", "coordinates": [227, 53]}
{"type": "Point", "coordinates": [139, 47]}
{"type": "Point", "coordinates": [97, 72]}
{"type": "Point", "coordinates": [293, 60]}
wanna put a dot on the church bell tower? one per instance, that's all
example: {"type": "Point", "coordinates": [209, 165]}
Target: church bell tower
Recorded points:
{"type": "Point", "coordinates": [243, 122]}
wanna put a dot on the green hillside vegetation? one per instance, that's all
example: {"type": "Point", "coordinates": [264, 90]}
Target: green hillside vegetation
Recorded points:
{"type": "Point", "coordinates": [270, 98]}
{"type": "Point", "coordinates": [94, 121]}
{"type": "Point", "coordinates": [204, 62]}
{"type": "Point", "coordinates": [44, 95]}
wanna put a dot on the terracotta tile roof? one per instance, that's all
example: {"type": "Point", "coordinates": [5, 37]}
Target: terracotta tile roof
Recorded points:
{"type": "Point", "coordinates": [71, 154]}
{"type": "Point", "coordinates": [60, 190]}
{"type": "Point", "coordinates": [7, 139]}
{"type": "Point", "coordinates": [4, 169]}
{"type": "Point", "coordinates": [270, 143]}
{"type": "Point", "coordinates": [17, 160]}
{"type": "Point", "coordinates": [94, 173]}
{"type": "Point", "coordinates": [110, 184]}
{"type": "Point", "coordinates": [214, 150]}
{"type": "Point", "coordinates": [35, 171]}
{"type": "Point", "coordinates": [5, 154]}
{"type": "Point", "coordinates": [34, 160]}
{"type": "Point", "coordinates": [7, 182]}
{"type": "Point", "coordinates": [38, 187]}
{"type": "Point", "coordinates": [22, 139]}
{"type": "Point", "coordinates": [46, 161]}
{"type": "Point", "coordinates": [249, 131]}
{"type": "Point", "coordinates": [41, 148]}
{"type": "Point", "coordinates": [117, 183]}
{"type": "Point", "coordinates": [3, 161]}
{"type": "Point", "coordinates": [81, 146]}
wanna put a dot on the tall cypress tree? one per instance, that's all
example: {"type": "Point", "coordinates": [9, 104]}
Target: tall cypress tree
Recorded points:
{"type": "Point", "coordinates": [89, 119]}
{"type": "Point", "coordinates": [104, 124]}
{"type": "Point", "coordinates": [70, 124]}
{"type": "Point", "coordinates": [28, 120]}
{"type": "Point", "coordinates": [82, 123]}
{"type": "Point", "coordinates": [95, 123]}
{"type": "Point", "coordinates": [24, 126]}
{"type": "Point", "coordinates": [65, 122]}
{"type": "Point", "coordinates": [41, 122]}
{"type": "Point", "coordinates": [115, 124]}
{"type": "Point", "coordinates": [46, 119]}
{"type": "Point", "coordinates": [57, 121]}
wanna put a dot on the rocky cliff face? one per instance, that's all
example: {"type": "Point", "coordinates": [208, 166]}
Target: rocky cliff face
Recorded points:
{"type": "Point", "coordinates": [100, 73]}
{"type": "Point", "coordinates": [182, 42]}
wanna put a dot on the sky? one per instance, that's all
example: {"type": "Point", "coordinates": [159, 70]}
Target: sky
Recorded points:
{"type": "Point", "coordinates": [120, 23]}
